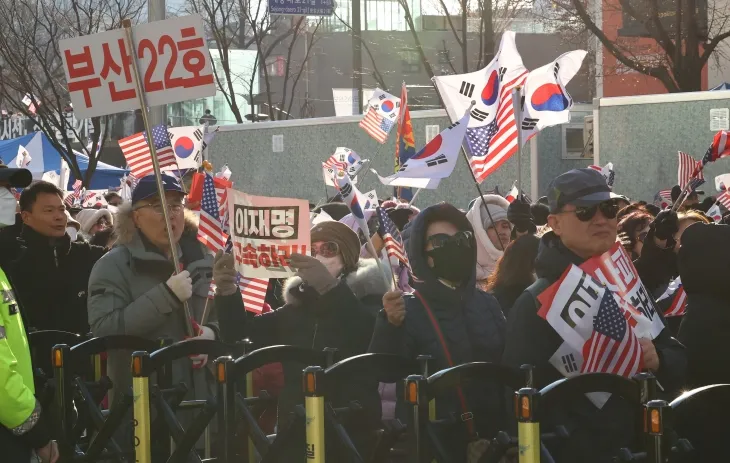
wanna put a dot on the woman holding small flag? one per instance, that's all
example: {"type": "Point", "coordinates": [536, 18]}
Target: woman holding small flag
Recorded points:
{"type": "Point", "coordinates": [331, 302]}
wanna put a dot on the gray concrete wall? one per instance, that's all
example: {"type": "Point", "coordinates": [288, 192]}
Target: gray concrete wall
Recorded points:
{"type": "Point", "coordinates": [296, 172]}
{"type": "Point", "coordinates": [641, 136]}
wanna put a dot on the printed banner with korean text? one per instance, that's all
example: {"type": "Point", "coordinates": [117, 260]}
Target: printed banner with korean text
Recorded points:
{"type": "Point", "coordinates": [265, 233]}
{"type": "Point", "coordinates": [174, 65]}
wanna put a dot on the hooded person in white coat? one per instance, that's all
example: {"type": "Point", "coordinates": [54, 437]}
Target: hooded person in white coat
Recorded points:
{"type": "Point", "coordinates": [492, 232]}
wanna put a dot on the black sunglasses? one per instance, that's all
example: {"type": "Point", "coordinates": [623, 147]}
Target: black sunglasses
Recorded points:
{"type": "Point", "coordinates": [462, 238]}
{"type": "Point", "coordinates": [609, 209]}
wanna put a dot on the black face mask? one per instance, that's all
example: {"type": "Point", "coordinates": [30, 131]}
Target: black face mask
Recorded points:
{"type": "Point", "coordinates": [452, 262]}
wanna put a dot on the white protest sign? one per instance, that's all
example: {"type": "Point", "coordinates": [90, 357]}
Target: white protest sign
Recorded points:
{"type": "Point", "coordinates": [572, 306]}
{"type": "Point", "coordinates": [265, 232]}
{"type": "Point", "coordinates": [174, 65]}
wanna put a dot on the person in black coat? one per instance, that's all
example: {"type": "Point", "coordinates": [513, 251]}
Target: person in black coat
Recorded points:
{"type": "Point", "coordinates": [49, 271]}
{"type": "Point", "coordinates": [704, 263]}
{"type": "Point", "coordinates": [583, 219]}
{"type": "Point", "coordinates": [447, 317]}
{"type": "Point", "coordinates": [332, 303]}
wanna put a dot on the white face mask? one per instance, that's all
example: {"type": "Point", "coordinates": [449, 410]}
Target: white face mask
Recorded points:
{"type": "Point", "coordinates": [8, 205]}
{"type": "Point", "coordinates": [334, 264]}
{"type": "Point", "coordinates": [72, 232]}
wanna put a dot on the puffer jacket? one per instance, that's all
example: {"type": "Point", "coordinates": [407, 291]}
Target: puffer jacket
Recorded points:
{"type": "Point", "coordinates": [471, 322]}
{"type": "Point", "coordinates": [342, 319]}
{"type": "Point", "coordinates": [128, 296]}
{"type": "Point", "coordinates": [596, 433]}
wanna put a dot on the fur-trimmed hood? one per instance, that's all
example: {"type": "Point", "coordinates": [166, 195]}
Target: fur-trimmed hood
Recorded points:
{"type": "Point", "coordinates": [366, 280]}
{"type": "Point", "coordinates": [125, 231]}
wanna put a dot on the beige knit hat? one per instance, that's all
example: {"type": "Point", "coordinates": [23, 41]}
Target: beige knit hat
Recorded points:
{"type": "Point", "coordinates": [346, 239]}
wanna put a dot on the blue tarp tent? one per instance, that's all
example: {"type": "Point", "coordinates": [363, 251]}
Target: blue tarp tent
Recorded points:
{"type": "Point", "coordinates": [46, 158]}
{"type": "Point", "coordinates": [722, 86]}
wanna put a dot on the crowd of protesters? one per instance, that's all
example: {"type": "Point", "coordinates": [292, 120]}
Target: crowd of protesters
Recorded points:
{"type": "Point", "coordinates": [470, 295]}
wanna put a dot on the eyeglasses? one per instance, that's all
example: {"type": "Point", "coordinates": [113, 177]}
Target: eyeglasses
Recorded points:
{"type": "Point", "coordinates": [174, 208]}
{"type": "Point", "coordinates": [327, 249]}
{"type": "Point", "coordinates": [462, 238]}
{"type": "Point", "coordinates": [609, 209]}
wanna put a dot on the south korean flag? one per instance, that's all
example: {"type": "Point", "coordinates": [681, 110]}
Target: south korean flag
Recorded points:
{"type": "Point", "coordinates": [188, 144]}
{"type": "Point", "coordinates": [434, 162]}
{"type": "Point", "coordinates": [544, 101]}
{"type": "Point", "coordinates": [483, 86]}
{"type": "Point", "coordinates": [568, 362]}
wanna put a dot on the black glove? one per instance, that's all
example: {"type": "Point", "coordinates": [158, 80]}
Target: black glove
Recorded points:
{"type": "Point", "coordinates": [665, 225]}
{"type": "Point", "coordinates": [520, 215]}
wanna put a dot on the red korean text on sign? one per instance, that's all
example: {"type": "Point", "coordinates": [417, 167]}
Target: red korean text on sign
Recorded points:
{"type": "Point", "coordinates": [82, 76]}
{"type": "Point", "coordinates": [193, 61]}
{"type": "Point", "coordinates": [270, 256]}
{"type": "Point", "coordinates": [111, 65]}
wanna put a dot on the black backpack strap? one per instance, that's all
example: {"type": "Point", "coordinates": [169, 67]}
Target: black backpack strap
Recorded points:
{"type": "Point", "coordinates": [538, 287]}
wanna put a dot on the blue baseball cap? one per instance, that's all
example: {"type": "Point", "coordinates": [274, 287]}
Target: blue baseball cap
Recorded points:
{"type": "Point", "coordinates": [147, 187]}
{"type": "Point", "coordinates": [579, 187]}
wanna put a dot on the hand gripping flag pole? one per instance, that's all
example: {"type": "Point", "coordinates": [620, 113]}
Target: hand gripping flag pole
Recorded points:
{"type": "Point", "coordinates": [466, 157]}
{"type": "Point", "coordinates": [127, 24]}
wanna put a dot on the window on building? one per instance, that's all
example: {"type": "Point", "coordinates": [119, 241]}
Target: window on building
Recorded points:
{"type": "Point", "coordinates": [574, 146]}
{"type": "Point", "coordinates": [410, 61]}
{"type": "Point", "coordinates": [276, 66]}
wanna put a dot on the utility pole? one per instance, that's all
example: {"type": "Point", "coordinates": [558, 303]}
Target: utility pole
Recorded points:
{"type": "Point", "coordinates": [156, 12]}
{"type": "Point", "coordinates": [357, 53]}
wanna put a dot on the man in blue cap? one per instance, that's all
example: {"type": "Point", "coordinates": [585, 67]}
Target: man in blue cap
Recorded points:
{"type": "Point", "coordinates": [583, 221]}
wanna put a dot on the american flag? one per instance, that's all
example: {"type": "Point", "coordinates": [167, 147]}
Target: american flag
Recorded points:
{"type": "Point", "coordinates": [210, 229]}
{"type": "Point", "coordinates": [137, 151]}
{"type": "Point", "coordinates": [392, 238]}
{"type": "Point", "coordinates": [719, 148]}
{"type": "Point", "coordinates": [491, 145]}
{"type": "Point", "coordinates": [689, 170]}
{"type": "Point", "coordinates": [674, 300]}
{"type": "Point", "coordinates": [724, 199]}
{"type": "Point", "coordinates": [71, 198]}
{"type": "Point", "coordinates": [613, 346]}
{"type": "Point", "coordinates": [376, 125]}
{"type": "Point", "coordinates": [253, 291]}
{"type": "Point", "coordinates": [663, 199]}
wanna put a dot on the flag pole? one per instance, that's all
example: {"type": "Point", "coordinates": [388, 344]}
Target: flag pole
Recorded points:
{"type": "Point", "coordinates": [127, 24]}
{"type": "Point", "coordinates": [517, 105]}
{"type": "Point", "coordinates": [466, 157]}
{"type": "Point", "coordinates": [415, 195]}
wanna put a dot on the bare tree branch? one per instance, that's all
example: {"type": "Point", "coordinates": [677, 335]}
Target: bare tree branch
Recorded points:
{"type": "Point", "coordinates": [32, 65]}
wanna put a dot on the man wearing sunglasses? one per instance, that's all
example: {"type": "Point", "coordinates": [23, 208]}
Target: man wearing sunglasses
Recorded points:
{"type": "Point", "coordinates": [583, 220]}
{"type": "Point", "coordinates": [446, 317]}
